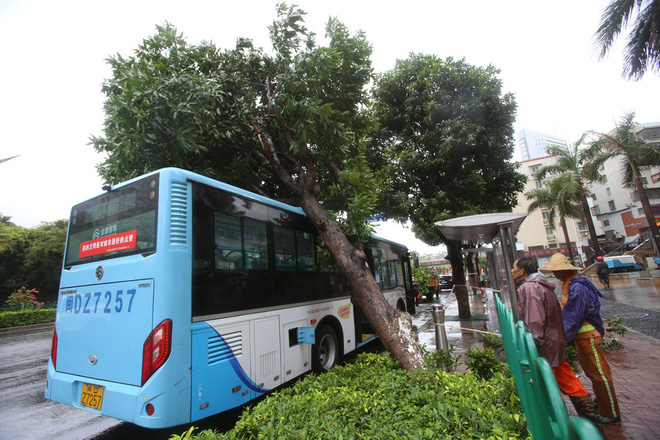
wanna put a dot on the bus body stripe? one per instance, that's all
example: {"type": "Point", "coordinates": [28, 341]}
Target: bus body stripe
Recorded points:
{"type": "Point", "coordinates": [238, 369]}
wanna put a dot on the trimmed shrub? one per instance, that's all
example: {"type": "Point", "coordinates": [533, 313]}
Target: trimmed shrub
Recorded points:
{"type": "Point", "coordinates": [374, 398]}
{"type": "Point", "coordinates": [26, 317]}
{"type": "Point", "coordinates": [483, 363]}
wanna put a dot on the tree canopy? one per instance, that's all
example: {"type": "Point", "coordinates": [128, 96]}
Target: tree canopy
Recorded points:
{"type": "Point", "coordinates": [558, 197]}
{"type": "Point", "coordinates": [446, 134]}
{"type": "Point", "coordinates": [196, 107]}
{"type": "Point", "coordinates": [642, 49]}
{"type": "Point", "coordinates": [31, 257]}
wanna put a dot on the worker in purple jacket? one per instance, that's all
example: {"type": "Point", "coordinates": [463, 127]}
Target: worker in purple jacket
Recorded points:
{"type": "Point", "coordinates": [584, 328]}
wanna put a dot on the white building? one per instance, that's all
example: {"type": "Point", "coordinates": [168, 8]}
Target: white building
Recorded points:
{"type": "Point", "coordinates": [532, 145]}
{"type": "Point", "coordinates": [535, 236]}
{"type": "Point", "coordinates": [617, 208]}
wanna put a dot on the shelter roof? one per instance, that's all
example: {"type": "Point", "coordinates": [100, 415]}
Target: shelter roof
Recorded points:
{"type": "Point", "coordinates": [479, 228]}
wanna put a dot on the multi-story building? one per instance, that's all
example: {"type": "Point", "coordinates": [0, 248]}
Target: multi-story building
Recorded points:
{"type": "Point", "coordinates": [617, 208]}
{"type": "Point", "coordinates": [535, 237]}
{"type": "Point", "coordinates": [532, 145]}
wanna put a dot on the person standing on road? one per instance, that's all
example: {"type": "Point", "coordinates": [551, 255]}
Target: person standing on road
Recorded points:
{"type": "Point", "coordinates": [603, 272]}
{"type": "Point", "coordinates": [584, 327]}
{"type": "Point", "coordinates": [541, 312]}
{"type": "Point", "coordinates": [415, 289]}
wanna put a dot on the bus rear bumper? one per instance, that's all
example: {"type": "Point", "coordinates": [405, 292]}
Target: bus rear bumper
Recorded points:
{"type": "Point", "coordinates": [120, 401]}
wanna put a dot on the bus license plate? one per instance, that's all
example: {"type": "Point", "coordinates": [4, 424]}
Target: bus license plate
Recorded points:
{"type": "Point", "coordinates": [92, 396]}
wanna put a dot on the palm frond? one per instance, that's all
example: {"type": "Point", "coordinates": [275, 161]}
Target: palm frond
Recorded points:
{"type": "Point", "coordinates": [614, 18]}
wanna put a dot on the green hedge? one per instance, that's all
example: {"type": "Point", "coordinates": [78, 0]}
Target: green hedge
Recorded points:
{"type": "Point", "coordinates": [375, 399]}
{"type": "Point", "coordinates": [26, 317]}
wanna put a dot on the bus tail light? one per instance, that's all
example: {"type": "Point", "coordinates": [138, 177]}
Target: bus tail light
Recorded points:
{"type": "Point", "coordinates": [53, 348]}
{"type": "Point", "coordinates": [157, 349]}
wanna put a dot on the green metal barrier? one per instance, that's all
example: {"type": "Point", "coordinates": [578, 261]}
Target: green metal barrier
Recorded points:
{"type": "Point", "coordinates": [537, 387]}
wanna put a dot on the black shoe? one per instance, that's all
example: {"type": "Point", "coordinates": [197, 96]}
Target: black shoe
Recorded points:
{"type": "Point", "coordinates": [607, 420]}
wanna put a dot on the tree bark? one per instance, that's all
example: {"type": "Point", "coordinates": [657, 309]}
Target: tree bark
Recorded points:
{"type": "Point", "coordinates": [455, 257]}
{"type": "Point", "coordinates": [590, 225]}
{"type": "Point", "coordinates": [648, 211]}
{"type": "Point", "coordinates": [394, 328]}
{"type": "Point", "coordinates": [569, 248]}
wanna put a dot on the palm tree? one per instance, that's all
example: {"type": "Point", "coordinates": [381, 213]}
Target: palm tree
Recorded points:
{"type": "Point", "coordinates": [634, 154]}
{"type": "Point", "coordinates": [557, 197]}
{"type": "Point", "coordinates": [643, 45]}
{"type": "Point", "coordinates": [570, 162]}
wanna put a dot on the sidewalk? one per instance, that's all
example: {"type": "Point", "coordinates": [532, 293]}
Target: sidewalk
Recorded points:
{"type": "Point", "coordinates": [635, 365]}
{"type": "Point", "coordinates": [462, 335]}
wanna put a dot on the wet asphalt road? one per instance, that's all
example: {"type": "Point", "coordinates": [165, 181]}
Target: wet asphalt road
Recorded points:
{"type": "Point", "coordinates": [640, 319]}
{"type": "Point", "coordinates": [24, 412]}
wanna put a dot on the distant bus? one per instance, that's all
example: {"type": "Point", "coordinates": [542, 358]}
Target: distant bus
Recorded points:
{"type": "Point", "coordinates": [182, 297]}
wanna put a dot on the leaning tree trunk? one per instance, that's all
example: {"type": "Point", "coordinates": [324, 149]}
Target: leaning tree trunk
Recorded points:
{"type": "Point", "coordinates": [394, 328]}
{"type": "Point", "coordinates": [590, 225]}
{"type": "Point", "coordinates": [455, 257]}
{"type": "Point", "coordinates": [648, 212]}
{"type": "Point", "coordinates": [562, 222]}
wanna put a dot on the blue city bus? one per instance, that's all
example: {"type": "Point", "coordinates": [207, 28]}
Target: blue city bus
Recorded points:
{"type": "Point", "coordinates": [182, 297]}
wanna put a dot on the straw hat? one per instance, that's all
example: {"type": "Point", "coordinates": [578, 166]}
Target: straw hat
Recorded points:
{"type": "Point", "coordinates": [558, 262]}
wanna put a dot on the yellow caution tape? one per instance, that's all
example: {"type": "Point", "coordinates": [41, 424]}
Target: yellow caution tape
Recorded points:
{"type": "Point", "coordinates": [469, 329]}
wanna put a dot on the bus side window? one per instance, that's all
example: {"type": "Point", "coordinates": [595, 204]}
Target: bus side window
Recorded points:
{"type": "Point", "coordinates": [228, 243]}
{"type": "Point", "coordinates": [305, 248]}
{"type": "Point", "coordinates": [256, 245]}
{"type": "Point", "coordinates": [393, 278]}
{"type": "Point", "coordinates": [399, 274]}
{"type": "Point", "coordinates": [377, 267]}
{"type": "Point", "coordinates": [285, 249]}
{"type": "Point", "coordinates": [407, 274]}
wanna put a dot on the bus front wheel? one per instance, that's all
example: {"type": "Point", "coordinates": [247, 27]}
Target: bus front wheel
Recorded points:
{"type": "Point", "coordinates": [325, 353]}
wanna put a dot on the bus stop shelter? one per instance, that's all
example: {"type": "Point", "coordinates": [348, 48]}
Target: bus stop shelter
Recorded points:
{"type": "Point", "coordinates": [497, 229]}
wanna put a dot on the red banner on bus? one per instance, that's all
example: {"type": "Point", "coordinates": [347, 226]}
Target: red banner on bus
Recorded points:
{"type": "Point", "coordinates": [110, 243]}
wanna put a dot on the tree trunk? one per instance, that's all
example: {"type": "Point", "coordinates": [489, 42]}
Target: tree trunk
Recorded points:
{"type": "Point", "coordinates": [393, 328]}
{"type": "Point", "coordinates": [473, 272]}
{"type": "Point", "coordinates": [455, 257]}
{"type": "Point", "coordinates": [648, 212]}
{"type": "Point", "coordinates": [590, 225]}
{"type": "Point", "coordinates": [562, 222]}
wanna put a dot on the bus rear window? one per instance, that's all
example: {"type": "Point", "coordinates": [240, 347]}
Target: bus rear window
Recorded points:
{"type": "Point", "coordinates": [119, 223]}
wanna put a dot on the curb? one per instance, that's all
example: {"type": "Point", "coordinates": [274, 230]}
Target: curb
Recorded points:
{"type": "Point", "coordinates": [19, 328]}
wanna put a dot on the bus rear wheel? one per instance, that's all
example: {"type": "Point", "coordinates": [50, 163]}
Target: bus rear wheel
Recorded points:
{"type": "Point", "coordinates": [325, 353]}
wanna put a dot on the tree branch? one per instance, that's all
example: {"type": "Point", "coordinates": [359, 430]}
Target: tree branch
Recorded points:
{"type": "Point", "coordinates": [334, 170]}
{"type": "Point", "coordinates": [273, 159]}
{"type": "Point", "coordinates": [309, 174]}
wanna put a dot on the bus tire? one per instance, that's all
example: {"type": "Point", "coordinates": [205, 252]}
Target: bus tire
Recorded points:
{"type": "Point", "coordinates": [325, 353]}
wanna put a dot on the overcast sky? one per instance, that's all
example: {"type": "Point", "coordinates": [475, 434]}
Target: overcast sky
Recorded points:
{"type": "Point", "coordinates": [53, 65]}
